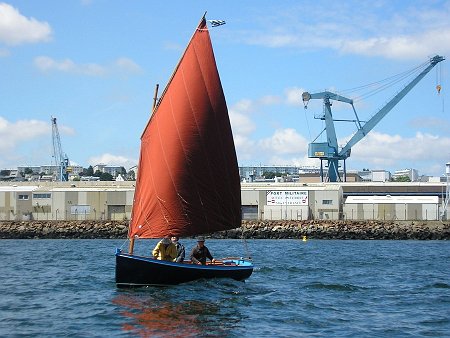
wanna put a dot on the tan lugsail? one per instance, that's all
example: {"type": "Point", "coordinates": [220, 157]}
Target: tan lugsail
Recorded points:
{"type": "Point", "coordinates": [188, 178]}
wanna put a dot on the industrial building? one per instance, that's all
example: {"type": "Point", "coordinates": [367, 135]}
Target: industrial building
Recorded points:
{"type": "Point", "coordinates": [262, 201]}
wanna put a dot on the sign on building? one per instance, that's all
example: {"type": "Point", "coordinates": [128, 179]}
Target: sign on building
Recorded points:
{"type": "Point", "coordinates": [80, 209]}
{"type": "Point", "coordinates": [288, 197]}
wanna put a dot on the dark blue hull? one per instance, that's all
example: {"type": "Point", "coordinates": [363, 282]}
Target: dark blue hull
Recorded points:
{"type": "Point", "coordinates": [136, 271]}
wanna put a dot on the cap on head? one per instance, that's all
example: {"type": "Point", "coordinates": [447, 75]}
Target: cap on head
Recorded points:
{"type": "Point", "coordinates": [200, 239]}
{"type": "Point", "coordinates": [166, 240]}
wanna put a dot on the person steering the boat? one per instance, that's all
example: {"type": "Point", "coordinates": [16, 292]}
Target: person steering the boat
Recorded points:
{"type": "Point", "coordinates": [165, 250]}
{"type": "Point", "coordinates": [200, 252]}
{"type": "Point", "coordinates": [180, 249]}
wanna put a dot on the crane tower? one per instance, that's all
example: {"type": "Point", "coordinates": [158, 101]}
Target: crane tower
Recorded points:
{"type": "Point", "coordinates": [329, 151]}
{"type": "Point", "coordinates": [60, 158]}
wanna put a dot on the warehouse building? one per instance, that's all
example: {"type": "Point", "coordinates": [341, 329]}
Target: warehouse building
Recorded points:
{"type": "Point", "coordinates": [261, 201]}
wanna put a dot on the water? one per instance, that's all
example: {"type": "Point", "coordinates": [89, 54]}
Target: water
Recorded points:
{"type": "Point", "coordinates": [58, 288]}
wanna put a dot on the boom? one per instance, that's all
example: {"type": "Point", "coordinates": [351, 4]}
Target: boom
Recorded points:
{"type": "Point", "coordinates": [329, 150]}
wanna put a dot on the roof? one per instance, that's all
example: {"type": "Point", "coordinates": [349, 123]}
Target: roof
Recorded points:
{"type": "Point", "coordinates": [18, 188]}
{"type": "Point", "coordinates": [388, 199]}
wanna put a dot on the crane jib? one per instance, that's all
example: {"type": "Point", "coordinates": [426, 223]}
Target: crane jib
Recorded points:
{"type": "Point", "coordinates": [329, 150]}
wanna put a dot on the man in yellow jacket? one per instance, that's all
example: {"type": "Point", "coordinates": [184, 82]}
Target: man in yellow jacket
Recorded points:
{"type": "Point", "coordinates": [165, 250]}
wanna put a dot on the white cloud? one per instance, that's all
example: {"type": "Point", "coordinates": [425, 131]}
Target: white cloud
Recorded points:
{"type": "Point", "coordinates": [127, 65]}
{"type": "Point", "coordinates": [412, 46]}
{"type": "Point", "coordinates": [390, 30]}
{"type": "Point", "coordinates": [284, 141]}
{"type": "Point", "coordinates": [47, 64]}
{"type": "Point", "coordinates": [294, 96]}
{"type": "Point", "coordinates": [292, 160]}
{"type": "Point", "coordinates": [269, 100]}
{"type": "Point", "coordinates": [383, 150]}
{"type": "Point", "coordinates": [111, 159]}
{"type": "Point", "coordinates": [33, 135]}
{"type": "Point", "coordinates": [241, 123]}
{"type": "Point", "coordinates": [244, 106]}
{"type": "Point", "coordinates": [123, 65]}
{"type": "Point", "coordinates": [16, 29]}
{"type": "Point", "coordinates": [14, 133]}
{"type": "Point", "coordinates": [431, 123]}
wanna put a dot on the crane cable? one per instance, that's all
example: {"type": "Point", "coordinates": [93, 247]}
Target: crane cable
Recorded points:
{"type": "Point", "coordinates": [439, 72]}
{"type": "Point", "coordinates": [378, 86]}
{"type": "Point", "coordinates": [438, 78]}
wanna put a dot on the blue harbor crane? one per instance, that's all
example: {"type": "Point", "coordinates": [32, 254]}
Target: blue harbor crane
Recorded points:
{"type": "Point", "coordinates": [61, 159]}
{"type": "Point", "coordinates": [329, 151]}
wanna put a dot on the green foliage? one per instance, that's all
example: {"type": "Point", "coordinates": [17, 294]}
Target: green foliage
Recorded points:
{"type": "Point", "coordinates": [5, 172]}
{"type": "Point", "coordinates": [402, 179]}
{"type": "Point", "coordinates": [28, 171]}
{"type": "Point", "coordinates": [271, 174]}
{"type": "Point", "coordinates": [131, 176]}
{"type": "Point", "coordinates": [89, 171]}
{"type": "Point", "coordinates": [106, 177]}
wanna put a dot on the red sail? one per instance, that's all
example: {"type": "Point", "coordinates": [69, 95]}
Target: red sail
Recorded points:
{"type": "Point", "coordinates": [188, 178]}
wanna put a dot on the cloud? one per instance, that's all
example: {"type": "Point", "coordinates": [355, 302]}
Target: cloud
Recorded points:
{"type": "Point", "coordinates": [294, 96]}
{"type": "Point", "coordinates": [14, 133]}
{"type": "Point", "coordinates": [300, 161]}
{"type": "Point", "coordinates": [47, 64]}
{"type": "Point", "coordinates": [111, 159]}
{"type": "Point", "coordinates": [401, 47]}
{"type": "Point", "coordinates": [16, 29]}
{"type": "Point", "coordinates": [383, 150]}
{"type": "Point", "coordinates": [389, 30]}
{"type": "Point", "coordinates": [431, 123]}
{"type": "Point", "coordinates": [284, 141]}
{"type": "Point", "coordinates": [128, 66]}
{"type": "Point", "coordinates": [33, 135]}
{"type": "Point", "coordinates": [240, 123]}
{"type": "Point", "coordinates": [122, 65]}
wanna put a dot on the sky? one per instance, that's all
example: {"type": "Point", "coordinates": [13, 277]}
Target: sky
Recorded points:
{"type": "Point", "coordinates": [94, 64]}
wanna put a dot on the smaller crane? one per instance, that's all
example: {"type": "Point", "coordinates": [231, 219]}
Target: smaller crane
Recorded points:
{"type": "Point", "coordinates": [61, 159]}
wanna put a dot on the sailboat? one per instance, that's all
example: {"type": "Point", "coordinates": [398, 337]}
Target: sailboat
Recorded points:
{"type": "Point", "coordinates": [188, 180]}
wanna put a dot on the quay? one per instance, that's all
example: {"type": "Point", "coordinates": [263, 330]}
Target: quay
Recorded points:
{"type": "Point", "coordinates": [312, 229]}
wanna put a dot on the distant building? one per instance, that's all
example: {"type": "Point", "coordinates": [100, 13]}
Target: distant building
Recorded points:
{"type": "Point", "coordinates": [253, 173]}
{"type": "Point", "coordinates": [413, 174]}
{"type": "Point", "coordinates": [110, 169]}
{"type": "Point", "coordinates": [381, 176]}
{"type": "Point", "coordinates": [34, 168]}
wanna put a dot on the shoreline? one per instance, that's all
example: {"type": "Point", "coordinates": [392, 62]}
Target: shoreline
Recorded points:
{"type": "Point", "coordinates": [312, 229]}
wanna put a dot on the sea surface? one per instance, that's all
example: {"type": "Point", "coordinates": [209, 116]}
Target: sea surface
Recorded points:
{"type": "Point", "coordinates": [317, 288]}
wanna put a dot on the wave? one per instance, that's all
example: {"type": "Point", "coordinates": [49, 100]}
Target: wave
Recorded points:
{"type": "Point", "coordinates": [334, 287]}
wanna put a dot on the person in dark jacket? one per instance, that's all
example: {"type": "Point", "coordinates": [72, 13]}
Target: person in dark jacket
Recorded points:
{"type": "Point", "coordinates": [180, 249]}
{"type": "Point", "coordinates": [200, 252]}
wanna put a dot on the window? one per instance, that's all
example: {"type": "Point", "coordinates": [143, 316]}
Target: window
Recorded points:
{"type": "Point", "coordinates": [41, 195]}
{"type": "Point", "coordinates": [327, 202]}
{"type": "Point", "coordinates": [23, 197]}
